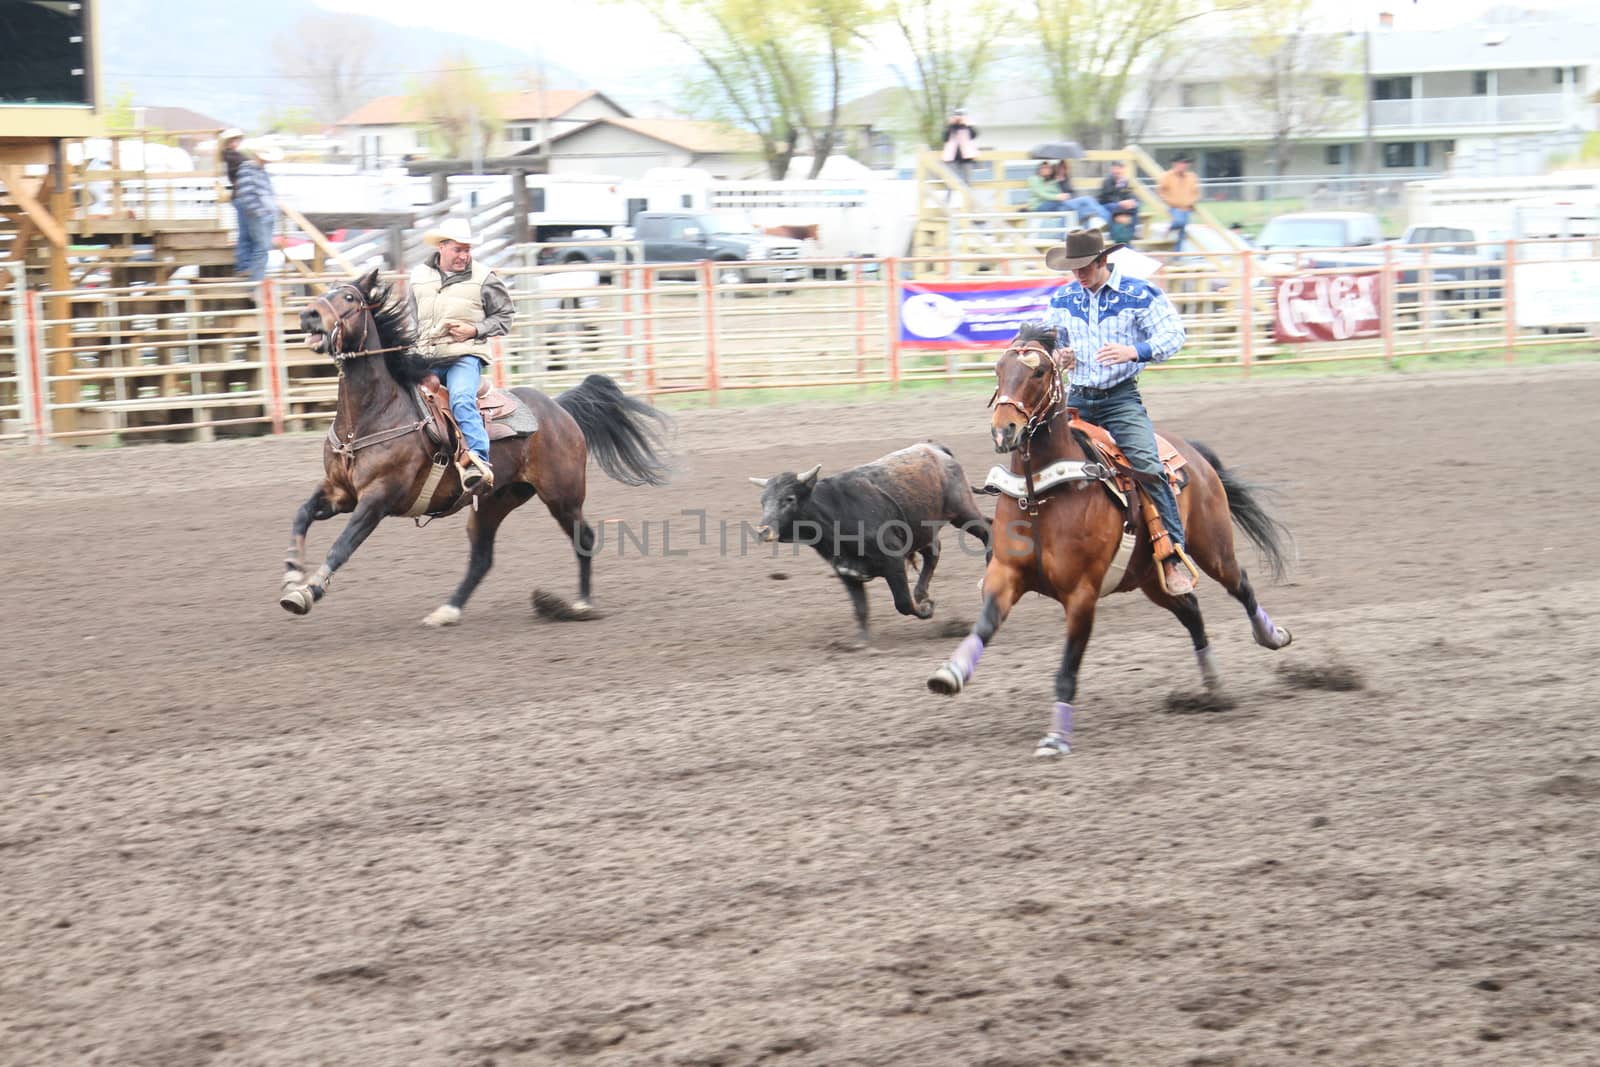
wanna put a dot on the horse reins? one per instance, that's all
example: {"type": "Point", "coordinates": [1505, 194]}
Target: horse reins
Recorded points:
{"type": "Point", "coordinates": [336, 338]}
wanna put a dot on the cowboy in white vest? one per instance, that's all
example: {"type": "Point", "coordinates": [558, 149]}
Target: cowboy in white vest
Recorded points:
{"type": "Point", "coordinates": [459, 305]}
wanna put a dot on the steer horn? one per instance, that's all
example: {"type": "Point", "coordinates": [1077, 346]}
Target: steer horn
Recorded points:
{"type": "Point", "coordinates": [760, 481]}
{"type": "Point", "coordinates": [811, 475]}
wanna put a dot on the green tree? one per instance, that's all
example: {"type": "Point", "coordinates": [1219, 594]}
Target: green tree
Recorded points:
{"type": "Point", "coordinates": [1092, 54]}
{"type": "Point", "coordinates": [119, 115]}
{"type": "Point", "coordinates": [776, 68]}
{"type": "Point", "coordinates": [459, 106]}
{"type": "Point", "coordinates": [952, 44]}
{"type": "Point", "coordinates": [292, 120]}
{"type": "Point", "coordinates": [1294, 77]}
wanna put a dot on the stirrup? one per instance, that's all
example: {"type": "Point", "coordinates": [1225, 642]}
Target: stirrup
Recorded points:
{"type": "Point", "coordinates": [1183, 561]}
{"type": "Point", "coordinates": [476, 474]}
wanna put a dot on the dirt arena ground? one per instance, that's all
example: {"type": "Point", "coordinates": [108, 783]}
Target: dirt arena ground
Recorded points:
{"type": "Point", "coordinates": [695, 833]}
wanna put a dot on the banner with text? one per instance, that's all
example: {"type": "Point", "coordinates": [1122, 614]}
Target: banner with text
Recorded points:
{"type": "Point", "coordinates": [969, 314]}
{"type": "Point", "coordinates": [1327, 307]}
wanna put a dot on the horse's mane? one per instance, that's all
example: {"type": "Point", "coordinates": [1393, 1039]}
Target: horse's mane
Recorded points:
{"type": "Point", "coordinates": [397, 330]}
{"type": "Point", "coordinates": [1036, 330]}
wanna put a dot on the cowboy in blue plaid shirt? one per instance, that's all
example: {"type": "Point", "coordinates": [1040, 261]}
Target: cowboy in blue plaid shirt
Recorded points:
{"type": "Point", "coordinates": [1110, 326]}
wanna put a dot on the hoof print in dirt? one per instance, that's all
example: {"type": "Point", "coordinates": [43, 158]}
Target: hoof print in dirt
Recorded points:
{"type": "Point", "coordinates": [1335, 677]}
{"type": "Point", "coordinates": [1569, 785]}
{"type": "Point", "coordinates": [1199, 703]}
{"type": "Point", "coordinates": [952, 628]}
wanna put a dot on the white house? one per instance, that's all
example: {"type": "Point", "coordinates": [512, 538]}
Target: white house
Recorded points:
{"type": "Point", "coordinates": [1472, 100]}
{"type": "Point", "coordinates": [629, 147]}
{"type": "Point", "coordinates": [386, 130]}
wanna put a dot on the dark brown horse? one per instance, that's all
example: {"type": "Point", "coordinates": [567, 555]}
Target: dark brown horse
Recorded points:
{"type": "Point", "coordinates": [1067, 550]}
{"type": "Point", "coordinates": [377, 458]}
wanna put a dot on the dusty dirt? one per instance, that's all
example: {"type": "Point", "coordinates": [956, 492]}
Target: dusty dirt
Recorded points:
{"type": "Point", "coordinates": [695, 832]}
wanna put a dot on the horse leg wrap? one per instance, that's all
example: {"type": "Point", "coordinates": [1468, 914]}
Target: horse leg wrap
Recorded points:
{"type": "Point", "coordinates": [1058, 742]}
{"type": "Point", "coordinates": [1208, 666]}
{"type": "Point", "coordinates": [1061, 720]}
{"type": "Point", "coordinates": [965, 661]}
{"type": "Point", "coordinates": [319, 582]}
{"type": "Point", "coordinates": [1267, 634]}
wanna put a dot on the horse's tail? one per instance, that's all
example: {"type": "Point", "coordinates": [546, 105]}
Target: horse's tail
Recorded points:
{"type": "Point", "coordinates": [624, 434]}
{"type": "Point", "coordinates": [1244, 502]}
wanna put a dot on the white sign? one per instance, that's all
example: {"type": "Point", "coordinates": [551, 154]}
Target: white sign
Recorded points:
{"type": "Point", "coordinates": [1558, 293]}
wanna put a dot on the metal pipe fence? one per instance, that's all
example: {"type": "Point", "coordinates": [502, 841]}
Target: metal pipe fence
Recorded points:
{"type": "Point", "coordinates": [183, 361]}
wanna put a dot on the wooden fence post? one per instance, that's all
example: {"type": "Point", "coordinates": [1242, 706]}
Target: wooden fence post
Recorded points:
{"type": "Point", "coordinates": [1247, 321]}
{"type": "Point", "coordinates": [31, 352]}
{"type": "Point", "coordinates": [648, 328]}
{"type": "Point", "coordinates": [273, 362]}
{"type": "Point", "coordinates": [1508, 290]}
{"type": "Point", "coordinates": [892, 292]}
{"type": "Point", "coordinates": [708, 281]}
{"type": "Point", "coordinates": [1391, 281]}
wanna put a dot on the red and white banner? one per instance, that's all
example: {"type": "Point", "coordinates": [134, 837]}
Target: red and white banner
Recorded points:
{"type": "Point", "coordinates": [1327, 307]}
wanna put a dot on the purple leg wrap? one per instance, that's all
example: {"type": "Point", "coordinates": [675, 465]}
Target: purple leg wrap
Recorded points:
{"type": "Point", "coordinates": [1266, 632]}
{"type": "Point", "coordinates": [1061, 722]}
{"type": "Point", "coordinates": [967, 655]}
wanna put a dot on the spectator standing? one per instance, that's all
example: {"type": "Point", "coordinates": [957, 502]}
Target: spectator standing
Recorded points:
{"type": "Point", "coordinates": [1179, 189]}
{"type": "Point", "coordinates": [961, 144]}
{"type": "Point", "coordinates": [257, 204]}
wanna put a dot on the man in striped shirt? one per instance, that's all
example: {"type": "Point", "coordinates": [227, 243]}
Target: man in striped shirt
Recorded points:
{"type": "Point", "coordinates": [1109, 327]}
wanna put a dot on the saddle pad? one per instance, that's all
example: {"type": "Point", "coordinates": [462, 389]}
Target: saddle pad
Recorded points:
{"type": "Point", "coordinates": [504, 413]}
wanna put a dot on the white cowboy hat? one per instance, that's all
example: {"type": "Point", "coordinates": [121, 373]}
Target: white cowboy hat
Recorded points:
{"type": "Point", "coordinates": [457, 229]}
{"type": "Point", "coordinates": [264, 151]}
{"type": "Point", "coordinates": [229, 134]}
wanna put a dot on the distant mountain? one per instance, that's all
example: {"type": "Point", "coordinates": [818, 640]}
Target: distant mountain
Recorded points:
{"type": "Point", "coordinates": [218, 56]}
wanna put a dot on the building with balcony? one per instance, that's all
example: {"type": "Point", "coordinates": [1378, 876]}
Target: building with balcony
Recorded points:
{"type": "Point", "coordinates": [1476, 100]}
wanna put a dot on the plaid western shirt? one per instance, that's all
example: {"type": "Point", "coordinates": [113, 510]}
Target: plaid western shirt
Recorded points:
{"type": "Point", "coordinates": [1125, 311]}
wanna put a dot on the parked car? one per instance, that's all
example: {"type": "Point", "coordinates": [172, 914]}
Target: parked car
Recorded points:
{"type": "Point", "coordinates": [690, 237]}
{"type": "Point", "coordinates": [1354, 240]}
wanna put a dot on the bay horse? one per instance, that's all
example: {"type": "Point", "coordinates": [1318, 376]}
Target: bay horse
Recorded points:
{"type": "Point", "coordinates": [377, 458]}
{"type": "Point", "coordinates": [1066, 551]}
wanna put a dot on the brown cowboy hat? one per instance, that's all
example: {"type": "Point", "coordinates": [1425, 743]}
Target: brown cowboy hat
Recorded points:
{"type": "Point", "coordinates": [1082, 248]}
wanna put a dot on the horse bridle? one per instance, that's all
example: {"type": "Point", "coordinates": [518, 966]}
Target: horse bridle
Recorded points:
{"type": "Point", "coordinates": [1055, 395]}
{"type": "Point", "coordinates": [337, 335]}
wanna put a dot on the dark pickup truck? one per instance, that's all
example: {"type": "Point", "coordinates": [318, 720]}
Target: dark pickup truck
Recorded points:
{"type": "Point", "coordinates": [690, 237]}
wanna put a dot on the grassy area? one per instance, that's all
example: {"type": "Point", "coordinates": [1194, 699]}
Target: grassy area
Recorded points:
{"type": "Point", "coordinates": [1263, 371]}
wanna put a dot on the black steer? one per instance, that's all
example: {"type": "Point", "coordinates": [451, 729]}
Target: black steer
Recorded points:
{"type": "Point", "coordinates": [867, 521]}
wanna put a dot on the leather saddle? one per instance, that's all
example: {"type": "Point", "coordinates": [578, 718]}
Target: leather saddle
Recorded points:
{"type": "Point", "coordinates": [504, 414]}
{"type": "Point", "coordinates": [1131, 482]}
{"type": "Point", "coordinates": [1172, 461]}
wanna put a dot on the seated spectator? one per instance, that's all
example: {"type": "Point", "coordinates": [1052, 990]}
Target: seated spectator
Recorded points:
{"type": "Point", "coordinates": [1050, 187]}
{"type": "Point", "coordinates": [1121, 230]}
{"type": "Point", "coordinates": [1116, 192]}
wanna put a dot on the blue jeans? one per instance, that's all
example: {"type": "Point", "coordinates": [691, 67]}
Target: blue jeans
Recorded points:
{"type": "Point", "coordinates": [1180, 220]}
{"type": "Point", "coordinates": [255, 241]}
{"type": "Point", "coordinates": [1122, 412]}
{"type": "Point", "coordinates": [462, 379]}
{"type": "Point", "coordinates": [1086, 206]}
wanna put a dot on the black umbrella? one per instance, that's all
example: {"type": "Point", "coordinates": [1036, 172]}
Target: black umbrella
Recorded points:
{"type": "Point", "coordinates": [1057, 150]}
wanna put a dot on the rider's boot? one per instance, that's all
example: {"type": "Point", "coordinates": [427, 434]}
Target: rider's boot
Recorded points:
{"type": "Point", "coordinates": [1176, 575]}
{"type": "Point", "coordinates": [477, 474]}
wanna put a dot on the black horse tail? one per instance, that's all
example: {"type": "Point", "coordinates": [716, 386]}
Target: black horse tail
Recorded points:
{"type": "Point", "coordinates": [1244, 502]}
{"type": "Point", "coordinates": [624, 434]}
